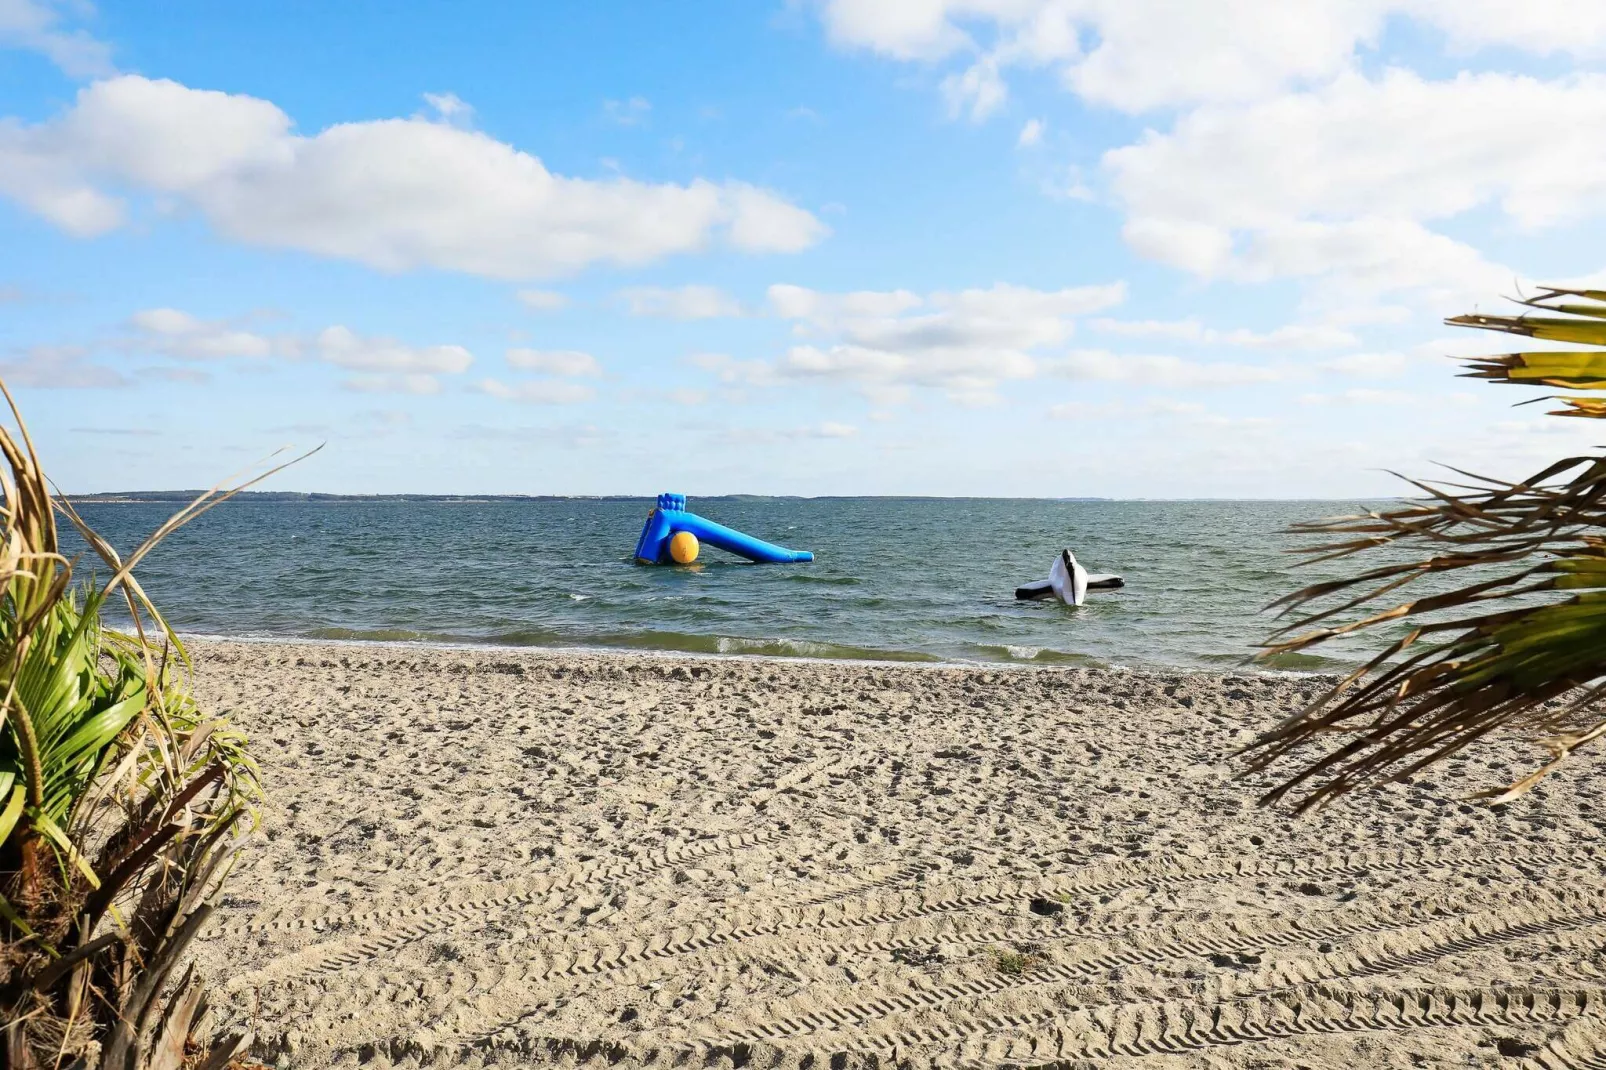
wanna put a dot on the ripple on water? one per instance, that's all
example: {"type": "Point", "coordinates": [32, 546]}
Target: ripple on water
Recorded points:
{"type": "Point", "coordinates": [894, 578]}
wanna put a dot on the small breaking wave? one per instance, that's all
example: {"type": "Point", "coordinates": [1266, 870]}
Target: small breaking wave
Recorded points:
{"type": "Point", "coordinates": [1038, 656]}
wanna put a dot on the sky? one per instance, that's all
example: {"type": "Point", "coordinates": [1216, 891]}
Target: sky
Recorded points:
{"type": "Point", "coordinates": [1117, 248]}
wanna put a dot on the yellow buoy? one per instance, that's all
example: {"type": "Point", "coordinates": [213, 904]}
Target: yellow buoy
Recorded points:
{"type": "Point", "coordinates": [683, 547]}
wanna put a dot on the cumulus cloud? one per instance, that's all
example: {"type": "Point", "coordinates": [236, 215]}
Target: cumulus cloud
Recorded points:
{"type": "Point", "coordinates": [1345, 179]}
{"type": "Point", "coordinates": [1137, 55]}
{"type": "Point", "coordinates": [59, 367]}
{"type": "Point", "coordinates": [1168, 410]}
{"type": "Point", "coordinates": [450, 108]}
{"type": "Point", "coordinates": [542, 300]}
{"type": "Point", "coordinates": [570, 363]}
{"type": "Point", "coordinates": [1030, 134]}
{"type": "Point", "coordinates": [562, 436]}
{"type": "Point", "coordinates": [345, 348]}
{"type": "Point", "coordinates": [172, 333]}
{"type": "Point", "coordinates": [681, 303]}
{"type": "Point", "coordinates": [383, 364]}
{"type": "Point", "coordinates": [379, 383]}
{"type": "Point", "coordinates": [1292, 336]}
{"type": "Point", "coordinates": [1368, 365]}
{"type": "Point", "coordinates": [37, 26]}
{"type": "Point", "coordinates": [169, 374]}
{"type": "Point", "coordinates": [1361, 396]}
{"type": "Point", "coordinates": [1163, 371]}
{"type": "Point", "coordinates": [539, 391]}
{"type": "Point", "coordinates": [395, 194]}
{"type": "Point", "coordinates": [1292, 156]}
{"type": "Point", "coordinates": [828, 430]}
{"type": "Point", "coordinates": [886, 343]}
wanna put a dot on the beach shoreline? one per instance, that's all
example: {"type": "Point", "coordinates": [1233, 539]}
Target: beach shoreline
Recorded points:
{"type": "Point", "coordinates": [481, 856]}
{"type": "Point", "coordinates": [913, 659]}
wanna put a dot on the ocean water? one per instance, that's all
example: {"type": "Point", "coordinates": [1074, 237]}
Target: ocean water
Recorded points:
{"type": "Point", "coordinates": [894, 578]}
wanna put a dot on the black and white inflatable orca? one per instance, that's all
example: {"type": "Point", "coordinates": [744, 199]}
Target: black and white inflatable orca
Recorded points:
{"type": "Point", "coordinates": [1069, 582]}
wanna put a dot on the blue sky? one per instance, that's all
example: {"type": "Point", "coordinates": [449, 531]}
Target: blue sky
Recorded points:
{"type": "Point", "coordinates": [995, 247]}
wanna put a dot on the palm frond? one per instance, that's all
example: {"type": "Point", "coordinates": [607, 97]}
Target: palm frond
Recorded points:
{"type": "Point", "coordinates": [108, 767]}
{"type": "Point", "coordinates": [1511, 630]}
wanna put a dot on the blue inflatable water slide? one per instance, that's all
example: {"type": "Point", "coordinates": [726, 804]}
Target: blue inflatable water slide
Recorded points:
{"type": "Point", "coordinates": [670, 519]}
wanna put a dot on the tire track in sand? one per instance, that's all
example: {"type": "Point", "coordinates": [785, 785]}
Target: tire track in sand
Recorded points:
{"type": "Point", "coordinates": [1383, 954]}
{"type": "Point", "coordinates": [1174, 1028]}
{"type": "Point", "coordinates": [428, 920]}
{"type": "Point", "coordinates": [1443, 937]}
{"type": "Point", "coordinates": [579, 956]}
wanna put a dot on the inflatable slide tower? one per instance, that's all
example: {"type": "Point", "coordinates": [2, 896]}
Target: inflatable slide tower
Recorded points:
{"type": "Point", "coordinates": [672, 535]}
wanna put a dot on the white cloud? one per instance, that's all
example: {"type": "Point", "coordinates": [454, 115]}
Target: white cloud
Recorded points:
{"type": "Point", "coordinates": [1343, 179]}
{"type": "Point", "coordinates": [379, 383]}
{"type": "Point", "coordinates": [563, 436]}
{"type": "Point", "coordinates": [681, 303]}
{"type": "Point", "coordinates": [1100, 410]}
{"type": "Point", "coordinates": [1145, 54]}
{"type": "Point", "coordinates": [346, 349]}
{"type": "Point", "coordinates": [1030, 134]}
{"type": "Point", "coordinates": [36, 25]}
{"type": "Point", "coordinates": [1162, 371]}
{"type": "Point", "coordinates": [1288, 159]}
{"type": "Point", "coordinates": [1292, 336]}
{"type": "Point", "coordinates": [168, 374]}
{"type": "Point", "coordinates": [798, 302]}
{"type": "Point", "coordinates": [1359, 397]}
{"type": "Point", "coordinates": [885, 342]}
{"type": "Point", "coordinates": [1173, 413]}
{"type": "Point", "coordinates": [178, 334]}
{"type": "Point", "coordinates": [761, 222]}
{"type": "Point", "coordinates": [570, 363]}
{"type": "Point", "coordinates": [632, 112]}
{"type": "Point", "coordinates": [767, 435]}
{"type": "Point", "coordinates": [1398, 147]}
{"type": "Point", "coordinates": [395, 194]}
{"type": "Point", "coordinates": [385, 364]}
{"type": "Point", "coordinates": [539, 391]}
{"type": "Point", "coordinates": [1137, 55]}
{"type": "Point", "coordinates": [450, 108]}
{"type": "Point", "coordinates": [542, 300]}
{"type": "Point", "coordinates": [58, 367]}
{"type": "Point", "coordinates": [1368, 365]}
{"type": "Point", "coordinates": [686, 396]}
{"type": "Point", "coordinates": [978, 91]}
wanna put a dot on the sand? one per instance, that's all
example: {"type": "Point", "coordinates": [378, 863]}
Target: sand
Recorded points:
{"type": "Point", "coordinates": [488, 857]}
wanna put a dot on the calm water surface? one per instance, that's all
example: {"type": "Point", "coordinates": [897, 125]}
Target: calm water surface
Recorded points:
{"type": "Point", "coordinates": [893, 577]}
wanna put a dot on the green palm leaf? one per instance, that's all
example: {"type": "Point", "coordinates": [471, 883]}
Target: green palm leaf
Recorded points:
{"type": "Point", "coordinates": [1514, 636]}
{"type": "Point", "coordinates": [103, 750]}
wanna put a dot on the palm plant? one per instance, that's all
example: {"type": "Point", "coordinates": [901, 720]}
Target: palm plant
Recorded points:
{"type": "Point", "coordinates": [120, 803]}
{"type": "Point", "coordinates": [1513, 633]}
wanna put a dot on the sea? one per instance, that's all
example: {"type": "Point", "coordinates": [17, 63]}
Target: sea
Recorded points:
{"type": "Point", "coordinates": [900, 579]}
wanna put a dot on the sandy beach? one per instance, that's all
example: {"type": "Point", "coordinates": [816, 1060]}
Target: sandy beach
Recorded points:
{"type": "Point", "coordinates": [491, 857]}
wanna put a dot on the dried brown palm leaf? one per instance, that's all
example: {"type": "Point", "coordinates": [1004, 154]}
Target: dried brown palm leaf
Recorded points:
{"type": "Point", "coordinates": [110, 772]}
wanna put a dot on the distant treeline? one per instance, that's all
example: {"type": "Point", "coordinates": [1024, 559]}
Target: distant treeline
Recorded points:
{"type": "Point", "coordinates": [303, 496]}
{"type": "Point", "coordinates": [300, 496]}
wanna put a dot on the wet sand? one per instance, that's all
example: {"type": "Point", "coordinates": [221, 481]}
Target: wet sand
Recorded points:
{"type": "Point", "coordinates": [477, 857]}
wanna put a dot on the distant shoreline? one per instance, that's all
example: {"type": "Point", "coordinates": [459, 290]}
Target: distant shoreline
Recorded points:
{"type": "Point", "coordinates": [141, 497]}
